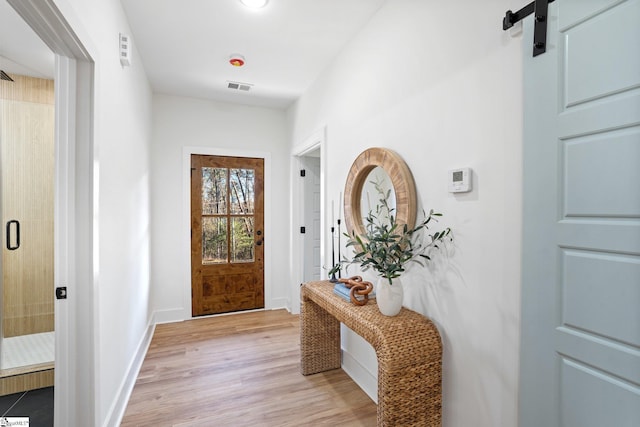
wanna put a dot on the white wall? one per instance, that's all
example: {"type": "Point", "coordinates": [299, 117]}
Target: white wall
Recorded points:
{"type": "Point", "coordinates": [183, 124]}
{"type": "Point", "coordinates": [440, 83]}
{"type": "Point", "coordinates": [122, 133]}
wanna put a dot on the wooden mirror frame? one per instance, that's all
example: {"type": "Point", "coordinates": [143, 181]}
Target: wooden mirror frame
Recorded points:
{"type": "Point", "coordinates": [401, 178]}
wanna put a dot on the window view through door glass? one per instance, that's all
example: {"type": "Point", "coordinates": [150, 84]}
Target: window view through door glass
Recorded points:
{"type": "Point", "coordinates": [214, 191]}
{"type": "Point", "coordinates": [227, 234]}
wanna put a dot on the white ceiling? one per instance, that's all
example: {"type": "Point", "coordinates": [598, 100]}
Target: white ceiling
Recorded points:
{"type": "Point", "coordinates": [185, 45]}
{"type": "Point", "coordinates": [21, 50]}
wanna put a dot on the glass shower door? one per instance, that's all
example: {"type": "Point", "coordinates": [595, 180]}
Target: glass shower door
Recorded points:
{"type": "Point", "coordinates": [26, 193]}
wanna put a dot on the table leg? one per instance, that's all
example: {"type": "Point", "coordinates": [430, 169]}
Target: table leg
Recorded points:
{"type": "Point", "coordinates": [319, 339]}
{"type": "Point", "coordinates": [410, 396]}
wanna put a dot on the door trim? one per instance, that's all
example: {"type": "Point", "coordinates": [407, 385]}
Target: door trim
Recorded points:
{"type": "Point", "coordinates": [186, 222]}
{"type": "Point", "coordinates": [313, 142]}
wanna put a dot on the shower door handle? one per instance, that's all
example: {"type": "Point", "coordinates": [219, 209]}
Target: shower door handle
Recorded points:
{"type": "Point", "coordinates": [17, 227]}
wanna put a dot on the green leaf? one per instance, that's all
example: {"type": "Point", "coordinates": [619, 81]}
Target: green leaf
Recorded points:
{"type": "Point", "coordinates": [387, 246]}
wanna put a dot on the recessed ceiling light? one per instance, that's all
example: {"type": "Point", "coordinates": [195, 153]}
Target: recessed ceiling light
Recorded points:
{"type": "Point", "coordinates": [254, 4]}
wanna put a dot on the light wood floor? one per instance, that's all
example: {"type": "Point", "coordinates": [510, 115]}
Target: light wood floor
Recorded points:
{"type": "Point", "coordinates": [240, 370]}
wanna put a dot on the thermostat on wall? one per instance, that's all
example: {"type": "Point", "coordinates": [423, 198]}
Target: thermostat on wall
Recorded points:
{"type": "Point", "coordinates": [460, 180]}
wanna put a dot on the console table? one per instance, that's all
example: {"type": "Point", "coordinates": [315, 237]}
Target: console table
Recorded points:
{"type": "Point", "coordinates": [408, 348]}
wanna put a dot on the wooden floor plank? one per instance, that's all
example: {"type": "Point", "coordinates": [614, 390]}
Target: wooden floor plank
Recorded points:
{"type": "Point", "coordinates": [239, 370]}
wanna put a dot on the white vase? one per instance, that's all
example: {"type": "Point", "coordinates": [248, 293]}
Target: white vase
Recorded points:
{"type": "Point", "coordinates": [389, 296]}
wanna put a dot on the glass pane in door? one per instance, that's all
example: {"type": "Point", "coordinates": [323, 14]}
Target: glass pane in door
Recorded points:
{"type": "Point", "coordinates": [242, 189]}
{"type": "Point", "coordinates": [27, 156]}
{"type": "Point", "coordinates": [242, 241]}
{"type": "Point", "coordinates": [214, 191]}
{"type": "Point", "coordinates": [214, 240]}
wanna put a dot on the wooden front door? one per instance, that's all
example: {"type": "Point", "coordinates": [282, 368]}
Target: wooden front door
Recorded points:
{"type": "Point", "coordinates": [227, 234]}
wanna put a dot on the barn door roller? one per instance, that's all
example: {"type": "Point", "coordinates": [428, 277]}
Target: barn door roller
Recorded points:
{"type": "Point", "coordinates": [539, 8]}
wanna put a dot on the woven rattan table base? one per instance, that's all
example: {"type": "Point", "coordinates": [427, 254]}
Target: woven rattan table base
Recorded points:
{"type": "Point", "coordinates": [408, 347]}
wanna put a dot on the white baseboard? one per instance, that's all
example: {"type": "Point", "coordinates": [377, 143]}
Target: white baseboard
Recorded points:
{"type": "Point", "coordinates": [119, 406]}
{"type": "Point", "coordinates": [168, 316]}
{"type": "Point", "coordinates": [360, 375]}
{"type": "Point", "coordinates": [278, 303]}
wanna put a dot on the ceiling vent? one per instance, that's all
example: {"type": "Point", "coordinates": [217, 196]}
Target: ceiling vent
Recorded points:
{"type": "Point", "coordinates": [239, 86]}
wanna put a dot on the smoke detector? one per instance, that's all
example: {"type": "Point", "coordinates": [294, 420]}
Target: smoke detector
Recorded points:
{"type": "Point", "coordinates": [236, 60]}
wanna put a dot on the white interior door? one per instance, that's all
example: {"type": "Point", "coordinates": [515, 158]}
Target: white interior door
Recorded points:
{"type": "Point", "coordinates": [580, 351]}
{"type": "Point", "coordinates": [312, 267]}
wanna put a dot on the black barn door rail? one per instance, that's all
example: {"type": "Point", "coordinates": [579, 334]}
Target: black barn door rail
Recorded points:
{"type": "Point", "coordinates": [539, 8]}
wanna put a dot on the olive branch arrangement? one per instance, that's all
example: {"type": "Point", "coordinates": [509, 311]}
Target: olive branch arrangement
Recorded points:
{"type": "Point", "coordinates": [387, 246]}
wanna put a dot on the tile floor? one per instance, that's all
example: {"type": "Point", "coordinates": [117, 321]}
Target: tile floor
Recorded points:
{"type": "Point", "coordinates": [35, 404]}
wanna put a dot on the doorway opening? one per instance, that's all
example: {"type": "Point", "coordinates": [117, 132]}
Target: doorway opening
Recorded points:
{"type": "Point", "coordinates": [308, 257]}
{"type": "Point", "coordinates": [27, 180]}
{"type": "Point", "coordinates": [75, 232]}
{"type": "Point", "coordinates": [312, 267]}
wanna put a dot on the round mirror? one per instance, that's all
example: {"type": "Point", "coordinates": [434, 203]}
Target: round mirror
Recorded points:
{"type": "Point", "coordinates": [383, 167]}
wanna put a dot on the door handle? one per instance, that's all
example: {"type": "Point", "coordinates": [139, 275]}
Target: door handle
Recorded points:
{"type": "Point", "coordinates": [8, 233]}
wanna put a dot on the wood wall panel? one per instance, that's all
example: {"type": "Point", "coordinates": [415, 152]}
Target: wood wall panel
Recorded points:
{"type": "Point", "coordinates": [23, 380]}
{"type": "Point", "coordinates": [28, 89]}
